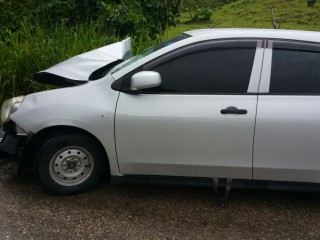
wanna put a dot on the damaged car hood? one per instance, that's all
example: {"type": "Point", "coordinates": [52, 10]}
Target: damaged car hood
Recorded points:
{"type": "Point", "coordinates": [87, 66]}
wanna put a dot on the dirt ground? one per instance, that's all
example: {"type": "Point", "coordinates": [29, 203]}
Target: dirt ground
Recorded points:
{"type": "Point", "coordinates": [136, 211]}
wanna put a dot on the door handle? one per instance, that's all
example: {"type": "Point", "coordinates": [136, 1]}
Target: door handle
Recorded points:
{"type": "Point", "coordinates": [233, 110]}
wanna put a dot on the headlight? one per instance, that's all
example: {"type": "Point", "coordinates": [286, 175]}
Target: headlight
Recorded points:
{"type": "Point", "coordinates": [9, 107]}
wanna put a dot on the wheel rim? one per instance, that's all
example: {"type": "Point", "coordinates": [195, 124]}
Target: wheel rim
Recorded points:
{"type": "Point", "coordinates": [71, 166]}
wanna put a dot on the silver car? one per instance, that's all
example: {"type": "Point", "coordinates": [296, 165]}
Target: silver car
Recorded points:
{"type": "Point", "coordinates": [228, 103]}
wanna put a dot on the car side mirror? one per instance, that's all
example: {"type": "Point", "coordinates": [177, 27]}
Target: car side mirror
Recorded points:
{"type": "Point", "coordinates": [145, 79]}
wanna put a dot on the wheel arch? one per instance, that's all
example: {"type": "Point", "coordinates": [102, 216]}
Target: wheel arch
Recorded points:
{"type": "Point", "coordinates": [28, 153]}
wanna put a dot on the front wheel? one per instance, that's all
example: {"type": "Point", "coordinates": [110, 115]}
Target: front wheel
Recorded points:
{"type": "Point", "coordinates": [70, 163]}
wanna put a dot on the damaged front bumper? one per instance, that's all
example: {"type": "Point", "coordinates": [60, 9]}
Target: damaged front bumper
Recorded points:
{"type": "Point", "coordinates": [10, 143]}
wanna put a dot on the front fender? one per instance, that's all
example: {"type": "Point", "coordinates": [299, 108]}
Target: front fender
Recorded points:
{"type": "Point", "coordinates": [90, 107]}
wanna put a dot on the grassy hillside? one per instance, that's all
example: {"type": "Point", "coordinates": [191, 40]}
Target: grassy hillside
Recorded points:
{"type": "Point", "coordinates": [293, 14]}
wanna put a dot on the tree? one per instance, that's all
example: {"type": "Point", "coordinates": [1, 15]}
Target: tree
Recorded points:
{"type": "Point", "coordinates": [275, 23]}
{"type": "Point", "coordinates": [117, 16]}
{"type": "Point", "coordinates": [149, 17]}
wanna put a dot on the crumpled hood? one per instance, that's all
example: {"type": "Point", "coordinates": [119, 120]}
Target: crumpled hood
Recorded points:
{"type": "Point", "coordinates": [84, 67]}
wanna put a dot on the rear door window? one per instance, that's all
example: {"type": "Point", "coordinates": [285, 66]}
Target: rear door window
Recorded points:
{"type": "Point", "coordinates": [295, 68]}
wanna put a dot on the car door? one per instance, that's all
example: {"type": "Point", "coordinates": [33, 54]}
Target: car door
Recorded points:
{"type": "Point", "coordinates": [287, 136]}
{"type": "Point", "coordinates": [200, 121]}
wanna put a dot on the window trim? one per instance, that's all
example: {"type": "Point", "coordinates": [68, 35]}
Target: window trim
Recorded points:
{"type": "Point", "coordinates": [254, 80]}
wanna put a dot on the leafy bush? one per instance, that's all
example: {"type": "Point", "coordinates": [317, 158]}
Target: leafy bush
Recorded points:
{"type": "Point", "coordinates": [199, 14]}
{"type": "Point", "coordinates": [73, 11]}
{"type": "Point", "coordinates": [311, 2]}
{"type": "Point", "coordinates": [120, 17]}
{"type": "Point", "coordinates": [140, 17]}
{"type": "Point", "coordinates": [12, 12]}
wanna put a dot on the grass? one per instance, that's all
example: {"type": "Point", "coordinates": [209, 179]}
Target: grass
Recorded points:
{"type": "Point", "coordinates": [293, 14]}
{"type": "Point", "coordinates": [33, 49]}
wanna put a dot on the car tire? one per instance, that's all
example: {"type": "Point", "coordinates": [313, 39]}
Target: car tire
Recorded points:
{"type": "Point", "coordinates": [70, 163]}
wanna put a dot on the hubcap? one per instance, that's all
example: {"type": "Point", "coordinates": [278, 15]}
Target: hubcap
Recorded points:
{"type": "Point", "coordinates": [71, 166]}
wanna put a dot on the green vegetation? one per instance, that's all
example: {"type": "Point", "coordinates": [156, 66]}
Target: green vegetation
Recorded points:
{"type": "Point", "coordinates": [36, 34]}
{"type": "Point", "coordinates": [120, 17]}
{"type": "Point", "coordinates": [311, 2]}
{"type": "Point", "coordinates": [32, 49]}
{"type": "Point", "coordinates": [292, 14]}
{"type": "Point", "coordinates": [205, 3]}
{"type": "Point", "coordinates": [139, 17]}
{"type": "Point", "coordinates": [46, 13]}
{"type": "Point", "coordinates": [197, 14]}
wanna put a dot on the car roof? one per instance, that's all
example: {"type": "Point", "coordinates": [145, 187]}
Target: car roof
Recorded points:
{"type": "Point", "coordinates": [229, 33]}
{"type": "Point", "coordinates": [259, 33]}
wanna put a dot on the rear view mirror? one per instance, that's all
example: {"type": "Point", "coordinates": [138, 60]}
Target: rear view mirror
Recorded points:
{"type": "Point", "coordinates": [145, 79]}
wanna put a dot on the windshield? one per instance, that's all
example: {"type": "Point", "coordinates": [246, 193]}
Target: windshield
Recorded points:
{"type": "Point", "coordinates": [148, 51]}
